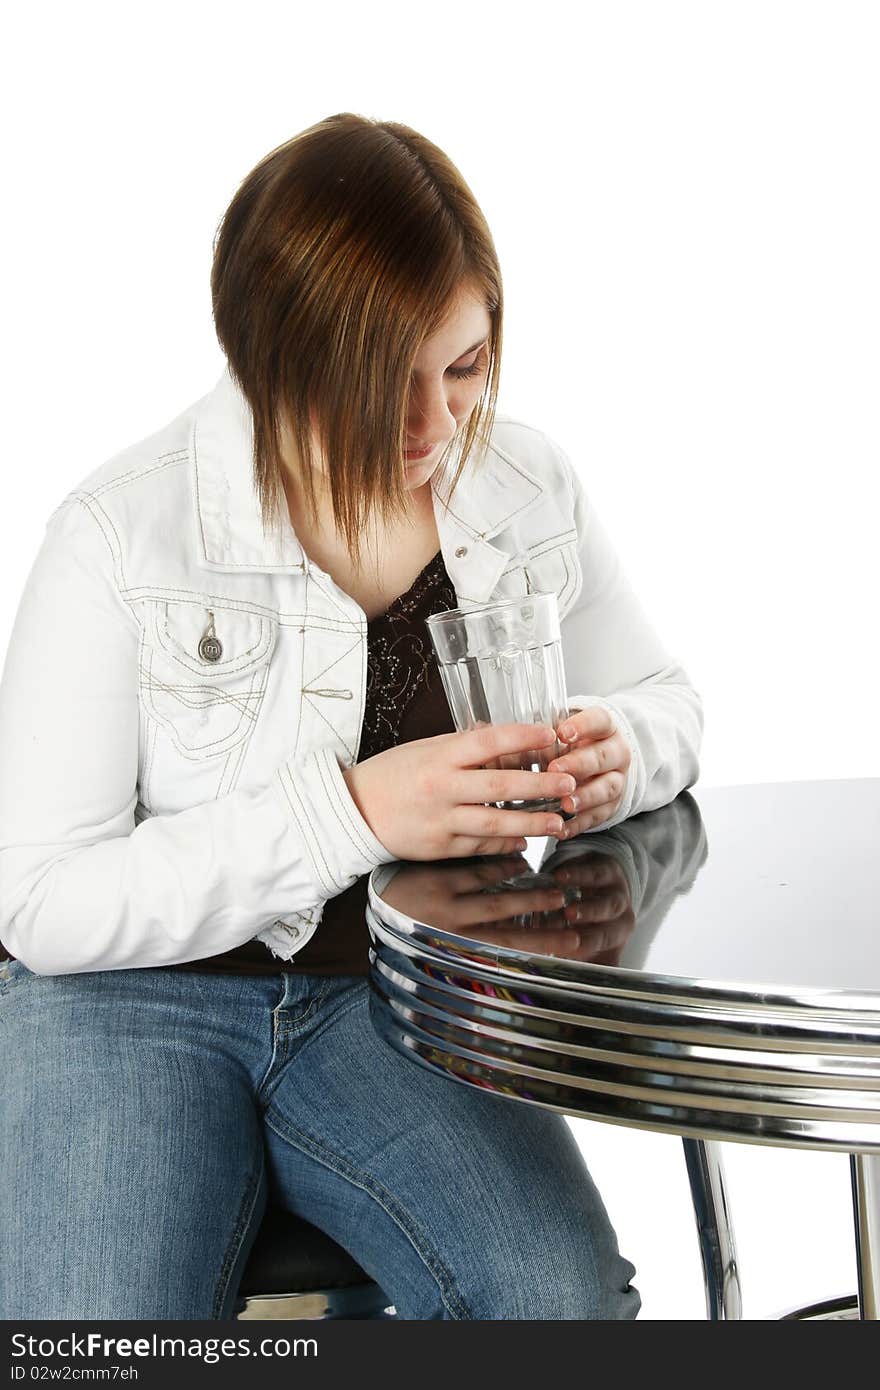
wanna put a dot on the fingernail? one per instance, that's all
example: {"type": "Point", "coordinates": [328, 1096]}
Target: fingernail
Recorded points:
{"type": "Point", "coordinates": [567, 731]}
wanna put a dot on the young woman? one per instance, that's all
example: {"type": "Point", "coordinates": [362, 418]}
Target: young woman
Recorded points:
{"type": "Point", "coordinates": [219, 712]}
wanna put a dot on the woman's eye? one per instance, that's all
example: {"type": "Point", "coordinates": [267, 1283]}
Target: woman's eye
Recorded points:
{"type": "Point", "coordinates": [460, 373]}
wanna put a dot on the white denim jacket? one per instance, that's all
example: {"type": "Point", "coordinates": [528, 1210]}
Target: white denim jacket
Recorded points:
{"type": "Point", "coordinates": [159, 806]}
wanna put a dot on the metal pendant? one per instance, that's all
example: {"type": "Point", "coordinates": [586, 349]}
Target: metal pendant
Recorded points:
{"type": "Point", "coordinates": [210, 646]}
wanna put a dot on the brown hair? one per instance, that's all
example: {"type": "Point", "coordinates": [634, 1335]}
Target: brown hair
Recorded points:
{"type": "Point", "coordinates": [340, 251]}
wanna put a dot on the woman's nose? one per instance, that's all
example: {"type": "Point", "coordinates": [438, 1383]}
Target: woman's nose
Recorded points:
{"type": "Point", "coordinates": [431, 421]}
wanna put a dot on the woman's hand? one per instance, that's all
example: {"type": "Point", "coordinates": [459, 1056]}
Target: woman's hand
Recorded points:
{"type": "Point", "coordinates": [431, 798]}
{"type": "Point", "coordinates": [599, 759]}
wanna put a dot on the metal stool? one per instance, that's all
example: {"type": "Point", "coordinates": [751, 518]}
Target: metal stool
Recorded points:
{"type": "Point", "coordinates": [295, 1270]}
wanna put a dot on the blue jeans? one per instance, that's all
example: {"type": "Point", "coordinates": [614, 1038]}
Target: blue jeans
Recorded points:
{"type": "Point", "coordinates": [148, 1115]}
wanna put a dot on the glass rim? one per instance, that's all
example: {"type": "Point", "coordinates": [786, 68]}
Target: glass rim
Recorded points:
{"type": "Point", "coordinates": [453, 613]}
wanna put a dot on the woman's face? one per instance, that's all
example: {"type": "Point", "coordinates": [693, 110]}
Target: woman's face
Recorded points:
{"type": "Point", "coordinates": [448, 377]}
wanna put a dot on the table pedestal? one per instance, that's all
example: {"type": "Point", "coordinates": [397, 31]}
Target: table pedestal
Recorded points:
{"type": "Point", "coordinates": [718, 1250]}
{"type": "Point", "coordinates": [865, 1172]}
{"type": "Point", "coordinates": [714, 1228]}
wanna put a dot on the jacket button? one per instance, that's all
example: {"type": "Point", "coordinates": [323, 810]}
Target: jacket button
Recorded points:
{"type": "Point", "coordinates": [210, 649]}
{"type": "Point", "coordinates": [461, 552]}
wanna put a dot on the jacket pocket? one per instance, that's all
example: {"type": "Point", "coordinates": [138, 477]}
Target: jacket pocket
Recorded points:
{"type": "Point", "coordinates": [203, 672]}
{"type": "Point", "coordinates": [551, 567]}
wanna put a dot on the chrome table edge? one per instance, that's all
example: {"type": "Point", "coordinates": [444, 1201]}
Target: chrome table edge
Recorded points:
{"type": "Point", "coordinates": [583, 977]}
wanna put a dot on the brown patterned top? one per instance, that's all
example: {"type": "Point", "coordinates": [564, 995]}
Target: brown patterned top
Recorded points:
{"type": "Point", "coordinates": [400, 657]}
{"type": "Point", "coordinates": [404, 701]}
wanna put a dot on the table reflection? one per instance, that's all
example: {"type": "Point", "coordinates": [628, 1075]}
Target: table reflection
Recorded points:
{"type": "Point", "coordinates": [580, 902]}
{"type": "Point", "coordinates": [581, 911]}
{"type": "Point", "coordinates": [786, 906]}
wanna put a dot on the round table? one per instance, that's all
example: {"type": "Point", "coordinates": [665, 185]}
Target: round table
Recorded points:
{"type": "Point", "coordinates": [710, 968]}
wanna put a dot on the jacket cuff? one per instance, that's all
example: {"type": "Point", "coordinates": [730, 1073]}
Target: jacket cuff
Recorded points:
{"type": "Point", "coordinates": [636, 778]}
{"type": "Point", "coordinates": [288, 935]}
{"type": "Point", "coordinates": [340, 844]}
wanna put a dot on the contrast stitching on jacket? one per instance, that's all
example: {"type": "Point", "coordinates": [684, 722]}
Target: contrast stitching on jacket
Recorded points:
{"type": "Point", "coordinates": [231, 762]}
{"type": "Point", "coordinates": [143, 471]}
{"type": "Point", "coordinates": [311, 843]}
{"type": "Point", "coordinates": [577, 579]}
{"type": "Point", "coordinates": [498, 523]}
{"type": "Point", "coordinates": [556, 545]}
{"type": "Point", "coordinates": [335, 732]}
{"type": "Point", "coordinates": [96, 512]}
{"type": "Point", "coordinates": [335, 662]}
{"type": "Point", "coordinates": [183, 694]}
{"type": "Point", "coordinates": [304, 917]}
{"type": "Point", "coordinates": [569, 582]}
{"type": "Point", "coordinates": [329, 625]}
{"type": "Point", "coordinates": [154, 593]}
{"type": "Point", "coordinates": [298, 657]}
{"type": "Point", "coordinates": [288, 786]}
{"type": "Point", "coordinates": [261, 566]}
{"type": "Point", "coordinates": [150, 738]}
{"type": "Point", "coordinates": [147, 685]}
{"type": "Point", "coordinates": [166, 593]}
{"type": "Point", "coordinates": [573, 563]}
{"type": "Point", "coordinates": [344, 813]}
{"type": "Point", "coordinates": [549, 543]}
{"type": "Point", "coordinates": [327, 594]}
{"type": "Point", "coordinates": [232, 767]}
{"type": "Point", "coordinates": [100, 517]}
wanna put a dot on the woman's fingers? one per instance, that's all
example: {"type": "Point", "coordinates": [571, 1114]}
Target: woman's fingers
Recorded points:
{"type": "Point", "coordinates": [488, 825]}
{"type": "Point", "coordinates": [593, 816]}
{"type": "Point", "coordinates": [484, 785]}
{"type": "Point", "coordinates": [476, 747]}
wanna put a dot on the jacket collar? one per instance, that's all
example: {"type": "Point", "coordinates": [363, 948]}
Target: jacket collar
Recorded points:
{"type": "Point", "coordinates": [494, 490]}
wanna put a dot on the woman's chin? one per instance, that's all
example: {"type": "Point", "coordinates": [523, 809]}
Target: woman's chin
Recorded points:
{"type": "Point", "coordinates": [417, 474]}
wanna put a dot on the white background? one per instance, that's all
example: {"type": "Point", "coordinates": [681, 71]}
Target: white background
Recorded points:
{"type": "Point", "coordinates": [684, 198]}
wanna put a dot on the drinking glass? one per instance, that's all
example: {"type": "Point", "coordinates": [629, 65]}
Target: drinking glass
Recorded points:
{"type": "Point", "coordinates": [501, 663]}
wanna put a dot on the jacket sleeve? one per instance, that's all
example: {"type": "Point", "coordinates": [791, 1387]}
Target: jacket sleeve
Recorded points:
{"type": "Point", "coordinates": [614, 657]}
{"type": "Point", "coordinates": [82, 887]}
